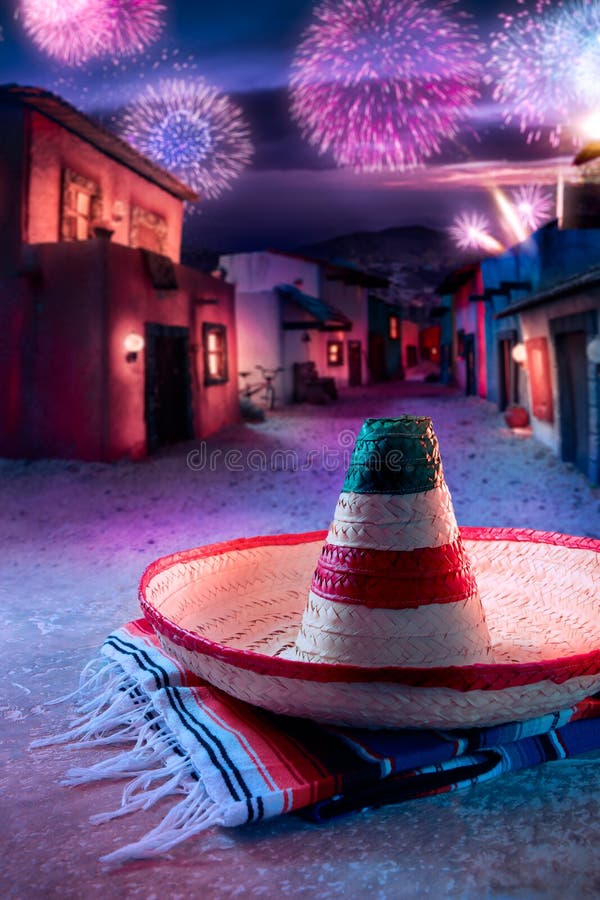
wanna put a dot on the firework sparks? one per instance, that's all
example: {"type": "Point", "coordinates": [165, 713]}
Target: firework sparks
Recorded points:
{"type": "Point", "coordinates": [545, 62]}
{"type": "Point", "coordinates": [131, 25]}
{"type": "Point", "coordinates": [381, 83]}
{"type": "Point", "coordinates": [533, 205]}
{"type": "Point", "coordinates": [471, 231]}
{"type": "Point", "coordinates": [193, 130]}
{"type": "Point", "coordinates": [78, 31]}
{"type": "Point", "coordinates": [69, 32]}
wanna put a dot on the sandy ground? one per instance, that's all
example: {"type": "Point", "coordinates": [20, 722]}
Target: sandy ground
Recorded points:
{"type": "Point", "coordinates": [76, 538]}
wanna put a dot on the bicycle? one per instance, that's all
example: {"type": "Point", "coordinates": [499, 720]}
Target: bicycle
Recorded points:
{"type": "Point", "coordinates": [267, 385]}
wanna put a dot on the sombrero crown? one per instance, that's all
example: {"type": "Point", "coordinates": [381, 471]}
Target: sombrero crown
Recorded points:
{"type": "Point", "coordinates": [393, 585]}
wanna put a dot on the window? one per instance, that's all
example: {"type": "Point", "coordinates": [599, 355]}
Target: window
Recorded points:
{"type": "Point", "coordinates": [148, 230]}
{"type": "Point", "coordinates": [335, 353]}
{"type": "Point", "coordinates": [214, 338]}
{"type": "Point", "coordinates": [82, 205]}
{"type": "Point", "coordinates": [394, 328]}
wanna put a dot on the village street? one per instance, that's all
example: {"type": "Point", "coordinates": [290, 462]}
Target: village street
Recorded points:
{"type": "Point", "coordinates": [76, 537]}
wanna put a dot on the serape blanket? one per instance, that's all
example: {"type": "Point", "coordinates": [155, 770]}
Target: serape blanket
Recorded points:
{"type": "Point", "coordinates": [227, 763]}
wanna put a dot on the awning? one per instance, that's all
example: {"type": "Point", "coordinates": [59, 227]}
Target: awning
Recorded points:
{"type": "Point", "coordinates": [326, 317]}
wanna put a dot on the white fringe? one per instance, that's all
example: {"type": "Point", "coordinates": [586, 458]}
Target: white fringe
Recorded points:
{"type": "Point", "coordinates": [112, 710]}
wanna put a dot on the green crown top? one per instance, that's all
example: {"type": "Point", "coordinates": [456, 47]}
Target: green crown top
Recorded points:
{"type": "Point", "coordinates": [395, 456]}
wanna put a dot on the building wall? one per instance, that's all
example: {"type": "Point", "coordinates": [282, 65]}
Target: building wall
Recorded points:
{"type": "Point", "coordinates": [135, 302]}
{"type": "Point", "coordinates": [80, 397]}
{"type": "Point", "coordinates": [536, 323]}
{"type": "Point", "coordinates": [352, 300]}
{"type": "Point", "coordinates": [16, 307]}
{"type": "Point", "coordinates": [52, 149]}
{"type": "Point", "coordinates": [469, 317]}
{"type": "Point", "coordinates": [260, 314]}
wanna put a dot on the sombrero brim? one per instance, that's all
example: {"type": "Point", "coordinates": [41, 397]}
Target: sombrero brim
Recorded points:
{"type": "Point", "coordinates": [230, 613]}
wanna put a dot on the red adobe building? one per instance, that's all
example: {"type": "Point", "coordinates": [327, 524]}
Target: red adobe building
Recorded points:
{"type": "Point", "coordinates": [108, 346]}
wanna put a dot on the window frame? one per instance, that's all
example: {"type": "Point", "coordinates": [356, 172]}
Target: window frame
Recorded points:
{"type": "Point", "coordinates": [75, 185]}
{"type": "Point", "coordinates": [208, 329]}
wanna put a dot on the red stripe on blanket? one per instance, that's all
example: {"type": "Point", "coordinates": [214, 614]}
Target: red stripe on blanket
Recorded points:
{"type": "Point", "coordinates": [382, 579]}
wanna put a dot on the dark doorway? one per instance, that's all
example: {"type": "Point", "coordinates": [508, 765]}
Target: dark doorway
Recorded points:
{"type": "Point", "coordinates": [354, 363]}
{"type": "Point", "coordinates": [573, 391]}
{"type": "Point", "coordinates": [377, 365]}
{"type": "Point", "coordinates": [471, 382]}
{"type": "Point", "coordinates": [508, 372]}
{"type": "Point", "coordinates": [168, 386]}
{"type": "Point", "coordinates": [412, 358]}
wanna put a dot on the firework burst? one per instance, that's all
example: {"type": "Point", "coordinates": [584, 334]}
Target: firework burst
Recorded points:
{"type": "Point", "coordinates": [545, 62]}
{"type": "Point", "coordinates": [471, 231]}
{"type": "Point", "coordinates": [533, 205]}
{"type": "Point", "coordinates": [193, 130]}
{"type": "Point", "coordinates": [78, 31]}
{"type": "Point", "coordinates": [381, 83]}
{"type": "Point", "coordinates": [69, 32]}
{"type": "Point", "coordinates": [131, 25]}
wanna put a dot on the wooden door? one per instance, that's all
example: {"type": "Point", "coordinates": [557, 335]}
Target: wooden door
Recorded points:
{"type": "Point", "coordinates": [168, 386]}
{"type": "Point", "coordinates": [471, 382]}
{"type": "Point", "coordinates": [354, 363]}
{"type": "Point", "coordinates": [573, 391]}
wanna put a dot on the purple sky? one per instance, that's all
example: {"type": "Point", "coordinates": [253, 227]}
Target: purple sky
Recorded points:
{"type": "Point", "coordinates": [290, 195]}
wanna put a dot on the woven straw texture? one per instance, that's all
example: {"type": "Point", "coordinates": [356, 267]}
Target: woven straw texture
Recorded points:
{"type": "Point", "coordinates": [393, 585]}
{"type": "Point", "coordinates": [395, 456]}
{"type": "Point", "coordinates": [231, 613]}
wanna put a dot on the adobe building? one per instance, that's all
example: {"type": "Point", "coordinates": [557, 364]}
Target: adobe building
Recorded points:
{"type": "Point", "coordinates": [292, 310]}
{"type": "Point", "coordinates": [109, 347]}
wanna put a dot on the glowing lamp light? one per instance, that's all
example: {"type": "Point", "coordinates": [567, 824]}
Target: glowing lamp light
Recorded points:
{"type": "Point", "coordinates": [134, 344]}
{"type": "Point", "coordinates": [519, 353]}
{"type": "Point", "coordinates": [590, 126]}
{"type": "Point", "coordinates": [593, 350]}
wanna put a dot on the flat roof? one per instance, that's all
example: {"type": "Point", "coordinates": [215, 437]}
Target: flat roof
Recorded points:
{"type": "Point", "coordinates": [58, 110]}
{"type": "Point", "coordinates": [338, 271]}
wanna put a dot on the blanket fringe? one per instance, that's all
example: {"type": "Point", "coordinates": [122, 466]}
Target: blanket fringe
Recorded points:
{"type": "Point", "coordinates": [111, 709]}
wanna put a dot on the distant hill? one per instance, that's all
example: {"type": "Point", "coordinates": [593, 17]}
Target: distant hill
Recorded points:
{"type": "Point", "coordinates": [414, 258]}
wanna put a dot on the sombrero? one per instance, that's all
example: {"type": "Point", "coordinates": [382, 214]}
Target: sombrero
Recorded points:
{"type": "Point", "coordinates": [395, 617]}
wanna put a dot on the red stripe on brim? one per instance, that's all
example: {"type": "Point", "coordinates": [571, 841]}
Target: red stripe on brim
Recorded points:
{"type": "Point", "coordinates": [484, 677]}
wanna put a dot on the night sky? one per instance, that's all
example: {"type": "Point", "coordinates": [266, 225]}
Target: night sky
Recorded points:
{"type": "Point", "coordinates": [290, 195]}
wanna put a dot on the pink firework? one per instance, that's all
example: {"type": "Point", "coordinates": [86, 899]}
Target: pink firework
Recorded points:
{"type": "Point", "coordinates": [381, 83]}
{"type": "Point", "coordinates": [77, 31]}
{"type": "Point", "coordinates": [533, 205]}
{"type": "Point", "coordinates": [131, 25]}
{"type": "Point", "coordinates": [471, 231]}
{"type": "Point", "coordinates": [193, 130]}
{"type": "Point", "coordinates": [71, 32]}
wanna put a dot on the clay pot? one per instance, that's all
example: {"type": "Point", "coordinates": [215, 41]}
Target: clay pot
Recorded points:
{"type": "Point", "coordinates": [516, 417]}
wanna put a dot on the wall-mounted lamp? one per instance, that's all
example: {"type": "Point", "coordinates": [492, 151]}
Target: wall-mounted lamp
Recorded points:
{"type": "Point", "coordinates": [134, 344]}
{"type": "Point", "coordinates": [519, 353]}
{"type": "Point", "coordinates": [306, 338]}
{"type": "Point", "coordinates": [593, 350]}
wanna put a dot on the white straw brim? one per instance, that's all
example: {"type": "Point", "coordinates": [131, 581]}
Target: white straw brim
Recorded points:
{"type": "Point", "coordinates": [231, 613]}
